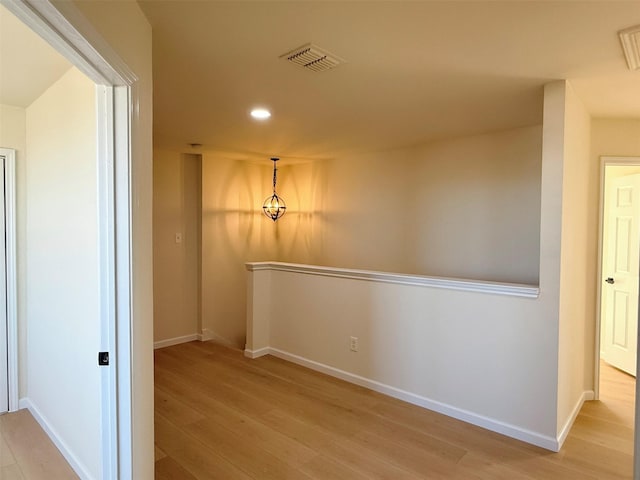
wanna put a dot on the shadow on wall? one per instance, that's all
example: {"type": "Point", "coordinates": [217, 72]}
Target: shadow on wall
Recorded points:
{"type": "Point", "coordinates": [235, 231]}
{"type": "Point", "coordinates": [304, 188]}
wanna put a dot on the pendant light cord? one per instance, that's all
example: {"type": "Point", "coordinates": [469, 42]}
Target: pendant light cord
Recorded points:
{"type": "Point", "coordinates": [274, 176]}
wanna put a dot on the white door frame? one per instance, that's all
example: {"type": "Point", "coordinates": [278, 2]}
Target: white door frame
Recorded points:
{"type": "Point", "coordinates": [605, 161]}
{"type": "Point", "coordinates": [68, 31]}
{"type": "Point", "coordinates": [9, 157]}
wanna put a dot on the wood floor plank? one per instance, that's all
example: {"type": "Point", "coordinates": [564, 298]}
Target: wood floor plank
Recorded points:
{"type": "Point", "coordinates": [168, 469]}
{"type": "Point", "coordinates": [587, 456]}
{"type": "Point", "coordinates": [484, 468]}
{"type": "Point", "coordinates": [171, 407]}
{"type": "Point", "coordinates": [192, 455]}
{"type": "Point", "coordinates": [6, 456]}
{"type": "Point", "coordinates": [11, 472]}
{"type": "Point", "coordinates": [247, 456]}
{"type": "Point", "coordinates": [36, 456]}
{"type": "Point", "coordinates": [424, 463]}
{"type": "Point", "coordinates": [340, 449]}
{"type": "Point", "coordinates": [322, 467]}
{"type": "Point", "coordinates": [269, 418]}
{"type": "Point", "coordinates": [159, 454]}
{"type": "Point", "coordinates": [602, 432]}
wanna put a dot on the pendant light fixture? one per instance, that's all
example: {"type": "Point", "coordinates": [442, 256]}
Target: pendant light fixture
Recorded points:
{"type": "Point", "coordinates": [274, 206]}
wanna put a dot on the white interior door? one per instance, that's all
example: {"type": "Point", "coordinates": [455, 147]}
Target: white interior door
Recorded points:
{"type": "Point", "coordinates": [4, 368]}
{"type": "Point", "coordinates": [620, 270]}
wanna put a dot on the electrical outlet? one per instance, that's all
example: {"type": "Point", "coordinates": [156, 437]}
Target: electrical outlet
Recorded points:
{"type": "Point", "coordinates": [353, 344]}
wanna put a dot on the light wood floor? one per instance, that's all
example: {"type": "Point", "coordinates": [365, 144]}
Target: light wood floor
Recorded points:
{"type": "Point", "coordinates": [26, 453]}
{"type": "Point", "coordinates": [219, 415]}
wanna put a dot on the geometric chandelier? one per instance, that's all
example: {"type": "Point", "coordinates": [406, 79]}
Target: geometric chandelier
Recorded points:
{"type": "Point", "coordinates": [274, 206]}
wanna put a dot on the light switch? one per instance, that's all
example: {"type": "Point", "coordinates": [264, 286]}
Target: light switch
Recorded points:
{"type": "Point", "coordinates": [178, 237]}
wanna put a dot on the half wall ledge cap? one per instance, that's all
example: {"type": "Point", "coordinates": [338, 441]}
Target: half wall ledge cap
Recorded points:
{"type": "Point", "coordinates": [479, 286]}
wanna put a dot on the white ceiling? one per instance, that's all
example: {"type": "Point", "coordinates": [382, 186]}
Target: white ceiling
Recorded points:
{"type": "Point", "coordinates": [28, 64]}
{"type": "Point", "coordinates": [416, 71]}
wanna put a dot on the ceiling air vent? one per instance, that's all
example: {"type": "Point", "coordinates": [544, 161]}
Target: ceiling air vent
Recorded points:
{"type": "Point", "coordinates": [630, 39]}
{"type": "Point", "coordinates": [313, 58]}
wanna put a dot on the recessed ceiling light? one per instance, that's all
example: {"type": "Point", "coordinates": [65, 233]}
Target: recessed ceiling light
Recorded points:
{"type": "Point", "coordinates": [260, 113]}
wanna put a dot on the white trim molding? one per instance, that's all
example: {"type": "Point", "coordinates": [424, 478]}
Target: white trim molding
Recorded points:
{"type": "Point", "coordinates": [205, 336]}
{"type": "Point", "coordinates": [169, 342]}
{"type": "Point", "coordinates": [566, 428]}
{"type": "Point", "coordinates": [79, 468]}
{"type": "Point", "coordinates": [494, 425]}
{"type": "Point", "coordinates": [466, 285]}
{"type": "Point", "coordinates": [9, 156]}
{"type": "Point", "coordinates": [64, 27]}
{"type": "Point", "coordinates": [605, 161]}
{"type": "Point", "coordinates": [67, 31]}
{"type": "Point", "coordinates": [261, 352]}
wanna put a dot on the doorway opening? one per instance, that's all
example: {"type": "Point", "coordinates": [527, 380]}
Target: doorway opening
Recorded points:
{"type": "Point", "coordinates": [109, 206]}
{"type": "Point", "coordinates": [617, 301]}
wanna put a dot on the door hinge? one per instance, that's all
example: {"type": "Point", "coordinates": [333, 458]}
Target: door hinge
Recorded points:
{"type": "Point", "coordinates": [103, 359]}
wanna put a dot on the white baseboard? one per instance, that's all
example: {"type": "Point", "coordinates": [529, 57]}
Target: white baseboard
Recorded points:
{"type": "Point", "coordinates": [562, 436]}
{"type": "Point", "coordinates": [75, 464]}
{"type": "Point", "coordinates": [206, 335]}
{"type": "Point", "coordinates": [175, 341]}
{"type": "Point", "coordinates": [257, 353]}
{"type": "Point", "coordinates": [513, 431]}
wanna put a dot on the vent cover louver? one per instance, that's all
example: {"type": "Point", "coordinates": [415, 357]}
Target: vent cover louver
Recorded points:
{"type": "Point", "coordinates": [630, 39]}
{"type": "Point", "coordinates": [313, 58]}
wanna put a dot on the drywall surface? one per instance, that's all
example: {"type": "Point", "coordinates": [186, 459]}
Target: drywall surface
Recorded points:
{"type": "Point", "coordinates": [466, 208]}
{"type": "Point", "coordinates": [479, 198]}
{"type": "Point", "coordinates": [12, 128]}
{"type": "Point", "coordinates": [13, 135]}
{"type": "Point", "coordinates": [489, 359]}
{"type": "Point", "coordinates": [576, 334]}
{"type": "Point", "coordinates": [435, 346]}
{"type": "Point", "coordinates": [176, 247]}
{"type": "Point", "coordinates": [234, 231]}
{"type": "Point", "coordinates": [615, 137]}
{"type": "Point", "coordinates": [127, 31]}
{"type": "Point", "coordinates": [62, 277]}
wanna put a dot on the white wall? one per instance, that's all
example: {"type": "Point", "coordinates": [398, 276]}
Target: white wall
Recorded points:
{"type": "Point", "coordinates": [62, 278]}
{"type": "Point", "coordinates": [466, 207]}
{"type": "Point", "coordinates": [576, 334]}
{"type": "Point", "coordinates": [128, 33]}
{"type": "Point", "coordinates": [615, 137]}
{"type": "Point", "coordinates": [432, 345]}
{"type": "Point", "coordinates": [480, 197]}
{"type": "Point", "coordinates": [234, 231]}
{"type": "Point", "coordinates": [493, 360]}
{"type": "Point", "coordinates": [12, 128]}
{"type": "Point", "coordinates": [13, 135]}
{"type": "Point", "coordinates": [176, 266]}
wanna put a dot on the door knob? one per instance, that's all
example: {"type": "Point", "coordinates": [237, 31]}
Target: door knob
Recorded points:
{"type": "Point", "coordinates": [610, 281]}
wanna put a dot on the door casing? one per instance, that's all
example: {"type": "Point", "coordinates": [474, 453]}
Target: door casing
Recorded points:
{"type": "Point", "coordinates": [604, 162]}
{"type": "Point", "coordinates": [70, 33]}
{"type": "Point", "coordinates": [625, 278]}
{"type": "Point", "coordinates": [8, 157]}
